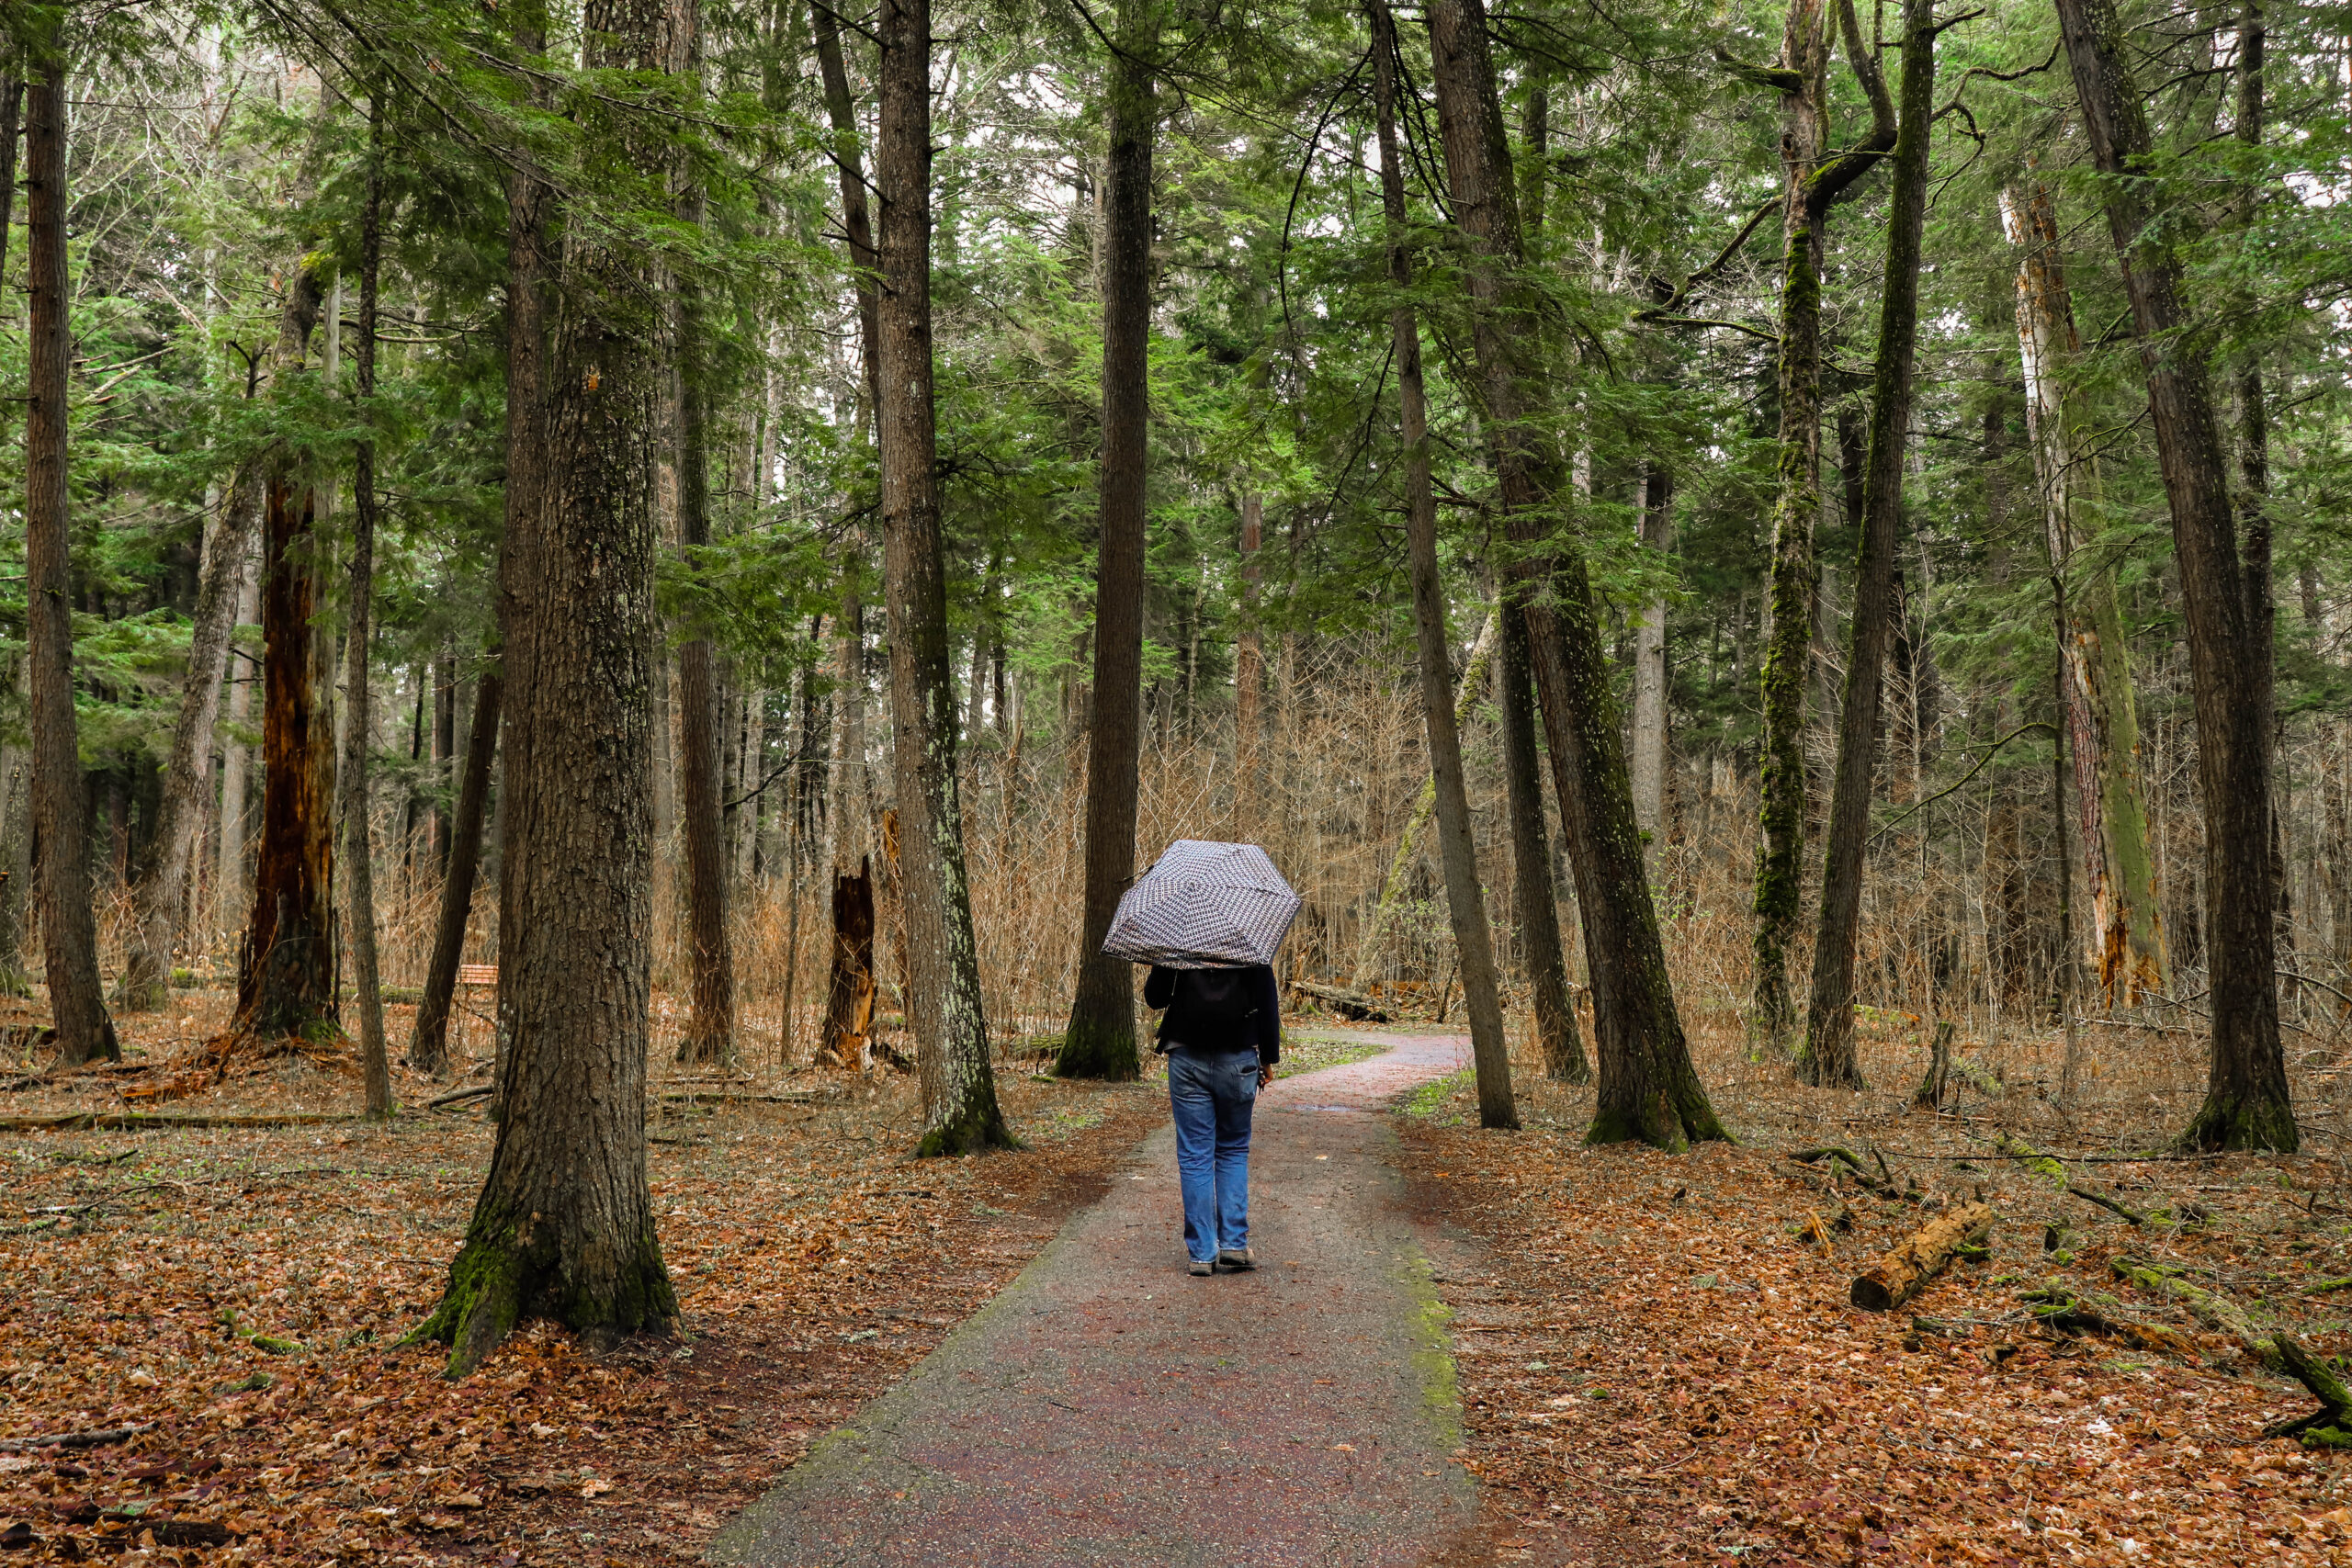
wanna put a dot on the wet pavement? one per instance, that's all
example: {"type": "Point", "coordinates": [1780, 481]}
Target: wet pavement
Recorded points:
{"type": "Point", "coordinates": [1107, 1407]}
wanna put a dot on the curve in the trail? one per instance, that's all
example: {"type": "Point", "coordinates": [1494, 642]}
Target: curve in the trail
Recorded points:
{"type": "Point", "coordinates": [1107, 1407]}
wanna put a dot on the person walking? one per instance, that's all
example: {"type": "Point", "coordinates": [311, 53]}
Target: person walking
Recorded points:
{"type": "Point", "coordinates": [1222, 1036]}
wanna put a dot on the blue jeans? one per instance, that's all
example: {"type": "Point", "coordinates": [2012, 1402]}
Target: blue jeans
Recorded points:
{"type": "Point", "coordinates": [1211, 1093]}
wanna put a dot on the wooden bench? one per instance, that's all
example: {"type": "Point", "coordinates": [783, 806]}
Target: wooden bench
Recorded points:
{"type": "Point", "coordinates": [477, 975]}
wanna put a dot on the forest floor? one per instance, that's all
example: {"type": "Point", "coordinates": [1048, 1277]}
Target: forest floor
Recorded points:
{"type": "Point", "coordinates": [1659, 1367]}
{"type": "Point", "coordinates": [1655, 1367]}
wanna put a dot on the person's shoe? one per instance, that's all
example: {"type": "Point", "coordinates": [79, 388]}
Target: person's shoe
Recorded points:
{"type": "Point", "coordinates": [1202, 1266]}
{"type": "Point", "coordinates": [1238, 1258]}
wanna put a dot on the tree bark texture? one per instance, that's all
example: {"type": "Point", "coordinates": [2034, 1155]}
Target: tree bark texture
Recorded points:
{"type": "Point", "coordinates": [1100, 1040]}
{"type": "Point", "coordinates": [428, 1048]}
{"type": "Point", "coordinates": [1458, 851]}
{"type": "Point", "coordinates": [359, 870]}
{"type": "Point", "coordinates": [1648, 1089]}
{"type": "Point", "coordinates": [840, 114]}
{"type": "Point", "coordinates": [849, 980]}
{"type": "Point", "coordinates": [2225, 604]}
{"type": "Point", "coordinates": [564, 1224]}
{"type": "Point", "coordinates": [710, 1027]}
{"type": "Point", "coordinates": [1828, 1059]}
{"type": "Point", "coordinates": [2126, 927]}
{"type": "Point", "coordinates": [1557, 1032]}
{"type": "Point", "coordinates": [943, 965]}
{"type": "Point", "coordinates": [286, 977]}
{"type": "Point", "coordinates": [1812, 184]}
{"type": "Point", "coordinates": [69, 933]}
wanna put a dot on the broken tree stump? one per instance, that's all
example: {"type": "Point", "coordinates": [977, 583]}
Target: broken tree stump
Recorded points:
{"type": "Point", "coordinates": [1905, 1272]}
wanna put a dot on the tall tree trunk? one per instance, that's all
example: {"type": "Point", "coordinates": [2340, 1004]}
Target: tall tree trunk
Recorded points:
{"type": "Point", "coordinates": [1249, 679]}
{"type": "Point", "coordinates": [1648, 1088]}
{"type": "Point", "coordinates": [2225, 600]}
{"type": "Point", "coordinates": [69, 933]}
{"type": "Point", "coordinates": [1532, 888]}
{"type": "Point", "coordinates": [236, 754]}
{"type": "Point", "coordinates": [1829, 1058]}
{"type": "Point", "coordinates": [840, 113]}
{"type": "Point", "coordinates": [16, 761]}
{"type": "Point", "coordinates": [428, 1048]}
{"type": "Point", "coordinates": [445, 752]}
{"type": "Point", "coordinates": [709, 1033]}
{"type": "Point", "coordinates": [1466, 900]}
{"type": "Point", "coordinates": [1100, 1040]}
{"type": "Point", "coordinates": [358, 855]}
{"type": "Point", "coordinates": [1812, 184]}
{"type": "Point", "coordinates": [944, 1006]}
{"type": "Point", "coordinates": [564, 1226]}
{"type": "Point", "coordinates": [2102, 716]}
{"type": "Point", "coordinates": [1648, 761]}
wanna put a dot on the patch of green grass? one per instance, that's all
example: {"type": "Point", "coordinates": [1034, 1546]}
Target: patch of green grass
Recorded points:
{"type": "Point", "coordinates": [1311, 1053]}
{"type": "Point", "coordinates": [1434, 1101]}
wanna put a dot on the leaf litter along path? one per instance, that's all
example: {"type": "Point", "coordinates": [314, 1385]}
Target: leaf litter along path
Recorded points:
{"type": "Point", "coordinates": [1109, 1407]}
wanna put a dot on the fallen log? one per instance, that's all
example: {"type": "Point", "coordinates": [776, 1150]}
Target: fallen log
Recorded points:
{"type": "Point", "coordinates": [2213, 1310]}
{"type": "Point", "coordinates": [2324, 1426]}
{"type": "Point", "coordinates": [1906, 1271]}
{"type": "Point", "coordinates": [455, 1096]}
{"type": "Point", "coordinates": [97, 1439]}
{"type": "Point", "coordinates": [2061, 1309]}
{"type": "Point", "coordinates": [1354, 1005]}
{"type": "Point", "coordinates": [134, 1121]}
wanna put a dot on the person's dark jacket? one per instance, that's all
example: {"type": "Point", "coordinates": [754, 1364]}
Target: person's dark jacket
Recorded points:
{"type": "Point", "coordinates": [1262, 1029]}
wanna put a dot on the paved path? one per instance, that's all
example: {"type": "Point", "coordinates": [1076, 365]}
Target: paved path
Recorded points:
{"type": "Point", "coordinates": [1107, 1407]}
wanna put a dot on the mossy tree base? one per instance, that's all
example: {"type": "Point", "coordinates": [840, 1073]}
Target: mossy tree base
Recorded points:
{"type": "Point", "coordinates": [509, 1269]}
{"type": "Point", "coordinates": [2255, 1124]}
{"type": "Point", "coordinates": [1090, 1050]}
{"type": "Point", "coordinates": [977, 1131]}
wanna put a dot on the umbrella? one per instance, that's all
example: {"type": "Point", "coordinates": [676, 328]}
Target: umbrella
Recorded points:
{"type": "Point", "coordinates": [1202, 905]}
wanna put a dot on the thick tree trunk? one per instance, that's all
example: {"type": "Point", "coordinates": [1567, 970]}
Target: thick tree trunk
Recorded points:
{"type": "Point", "coordinates": [531, 283]}
{"type": "Point", "coordinates": [1795, 576]}
{"type": "Point", "coordinates": [285, 981]}
{"type": "Point", "coordinates": [1828, 1059]}
{"type": "Point", "coordinates": [1101, 1039]}
{"type": "Point", "coordinates": [1648, 1088]}
{"type": "Point", "coordinates": [358, 858]}
{"type": "Point", "coordinates": [428, 1048]}
{"type": "Point", "coordinates": [2225, 602]}
{"type": "Point", "coordinates": [709, 1033]}
{"type": "Point", "coordinates": [1648, 761]}
{"type": "Point", "coordinates": [564, 1226]}
{"type": "Point", "coordinates": [69, 934]}
{"type": "Point", "coordinates": [2102, 716]}
{"type": "Point", "coordinates": [1557, 1030]}
{"type": "Point", "coordinates": [1466, 900]}
{"type": "Point", "coordinates": [1812, 186]}
{"type": "Point", "coordinates": [944, 1006]}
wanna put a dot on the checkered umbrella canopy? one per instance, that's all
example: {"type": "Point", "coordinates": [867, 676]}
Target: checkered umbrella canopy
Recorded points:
{"type": "Point", "coordinates": [1202, 905]}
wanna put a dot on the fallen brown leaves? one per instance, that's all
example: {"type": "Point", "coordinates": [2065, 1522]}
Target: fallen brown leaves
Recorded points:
{"type": "Point", "coordinates": [241, 1294]}
{"type": "Point", "coordinates": [1658, 1361]}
